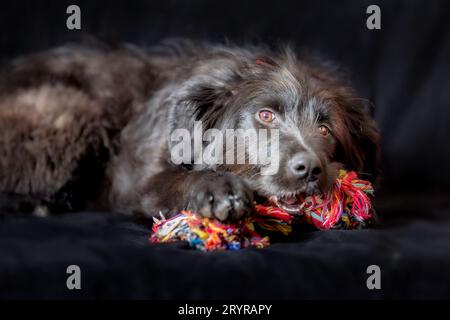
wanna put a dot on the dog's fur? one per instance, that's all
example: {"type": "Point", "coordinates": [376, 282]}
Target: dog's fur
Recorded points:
{"type": "Point", "coordinates": [87, 128]}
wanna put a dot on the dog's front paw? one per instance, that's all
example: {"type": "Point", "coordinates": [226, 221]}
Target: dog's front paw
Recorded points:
{"type": "Point", "coordinates": [221, 196]}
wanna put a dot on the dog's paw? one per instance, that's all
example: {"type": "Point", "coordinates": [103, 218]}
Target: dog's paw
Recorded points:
{"type": "Point", "coordinates": [221, 196]}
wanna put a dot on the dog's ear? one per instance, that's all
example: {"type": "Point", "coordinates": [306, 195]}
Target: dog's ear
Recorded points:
{"type": "Point", "coordinates": [202, 95]}
{"type": "Point", "coordinates": [358, 139]}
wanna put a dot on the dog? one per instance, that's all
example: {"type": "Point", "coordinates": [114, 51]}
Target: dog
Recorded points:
{"type": "Point", "coordinates": [88, 128]}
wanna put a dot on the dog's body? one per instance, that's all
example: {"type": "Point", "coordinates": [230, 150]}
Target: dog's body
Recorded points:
{"type": "Point", "coordinates": [89, 128]}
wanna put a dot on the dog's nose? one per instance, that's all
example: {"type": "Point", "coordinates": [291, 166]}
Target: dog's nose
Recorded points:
{"type": "Point", "coordinates": [305, 166]}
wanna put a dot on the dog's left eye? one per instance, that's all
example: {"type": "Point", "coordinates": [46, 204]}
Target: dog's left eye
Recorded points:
{"type": "Point", "coordinates": [266, 115]}
{"type": "Point", "coordinates": [324, 130]}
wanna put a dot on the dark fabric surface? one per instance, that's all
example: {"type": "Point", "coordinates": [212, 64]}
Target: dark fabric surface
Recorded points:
{"type": "Point", "coordinates": [117, 261]}
{"type": "Point", "coordinates": [403, 69]}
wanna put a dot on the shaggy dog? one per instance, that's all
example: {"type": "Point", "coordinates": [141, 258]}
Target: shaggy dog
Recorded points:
{"type": "Point", "coordinates": [88, 128]}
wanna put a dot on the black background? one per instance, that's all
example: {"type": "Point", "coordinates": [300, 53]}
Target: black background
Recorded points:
{"type": "Point", "coordinates": [403, 69]}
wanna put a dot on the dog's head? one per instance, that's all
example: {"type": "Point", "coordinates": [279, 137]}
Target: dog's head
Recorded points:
{"type": "Point", "coordinates": [321, 124]}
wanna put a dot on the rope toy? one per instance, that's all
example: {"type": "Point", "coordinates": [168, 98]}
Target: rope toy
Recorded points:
{"type": "Point", "coordinates": [210, 234]}
{"type": "Point", "coordinates": [346, 206]}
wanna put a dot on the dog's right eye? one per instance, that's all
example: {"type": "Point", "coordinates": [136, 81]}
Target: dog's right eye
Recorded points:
{"type": "Point", "coordinates": [324, 130]}
{"type": "Point", "coordinates": [266, 115]}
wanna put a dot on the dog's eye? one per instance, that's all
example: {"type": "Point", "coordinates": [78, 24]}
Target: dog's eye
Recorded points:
{"type": "Point", "coordinates": [266, 115]}
{"type": "Point", "coordinates": [324, 130]}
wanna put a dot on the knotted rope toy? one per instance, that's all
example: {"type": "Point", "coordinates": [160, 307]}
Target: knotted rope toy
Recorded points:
{"type": "Point", "coordinates": [346, 206]}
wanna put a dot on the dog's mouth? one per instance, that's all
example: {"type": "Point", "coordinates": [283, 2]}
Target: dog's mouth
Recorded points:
{"type": "Point", "coordinates": [288, 200]}
{"type": "Point", "coordinates": [291, 204]}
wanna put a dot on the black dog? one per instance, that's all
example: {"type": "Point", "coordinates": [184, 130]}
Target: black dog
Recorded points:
{"type": "Point", "coordinates": [89, 128]}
